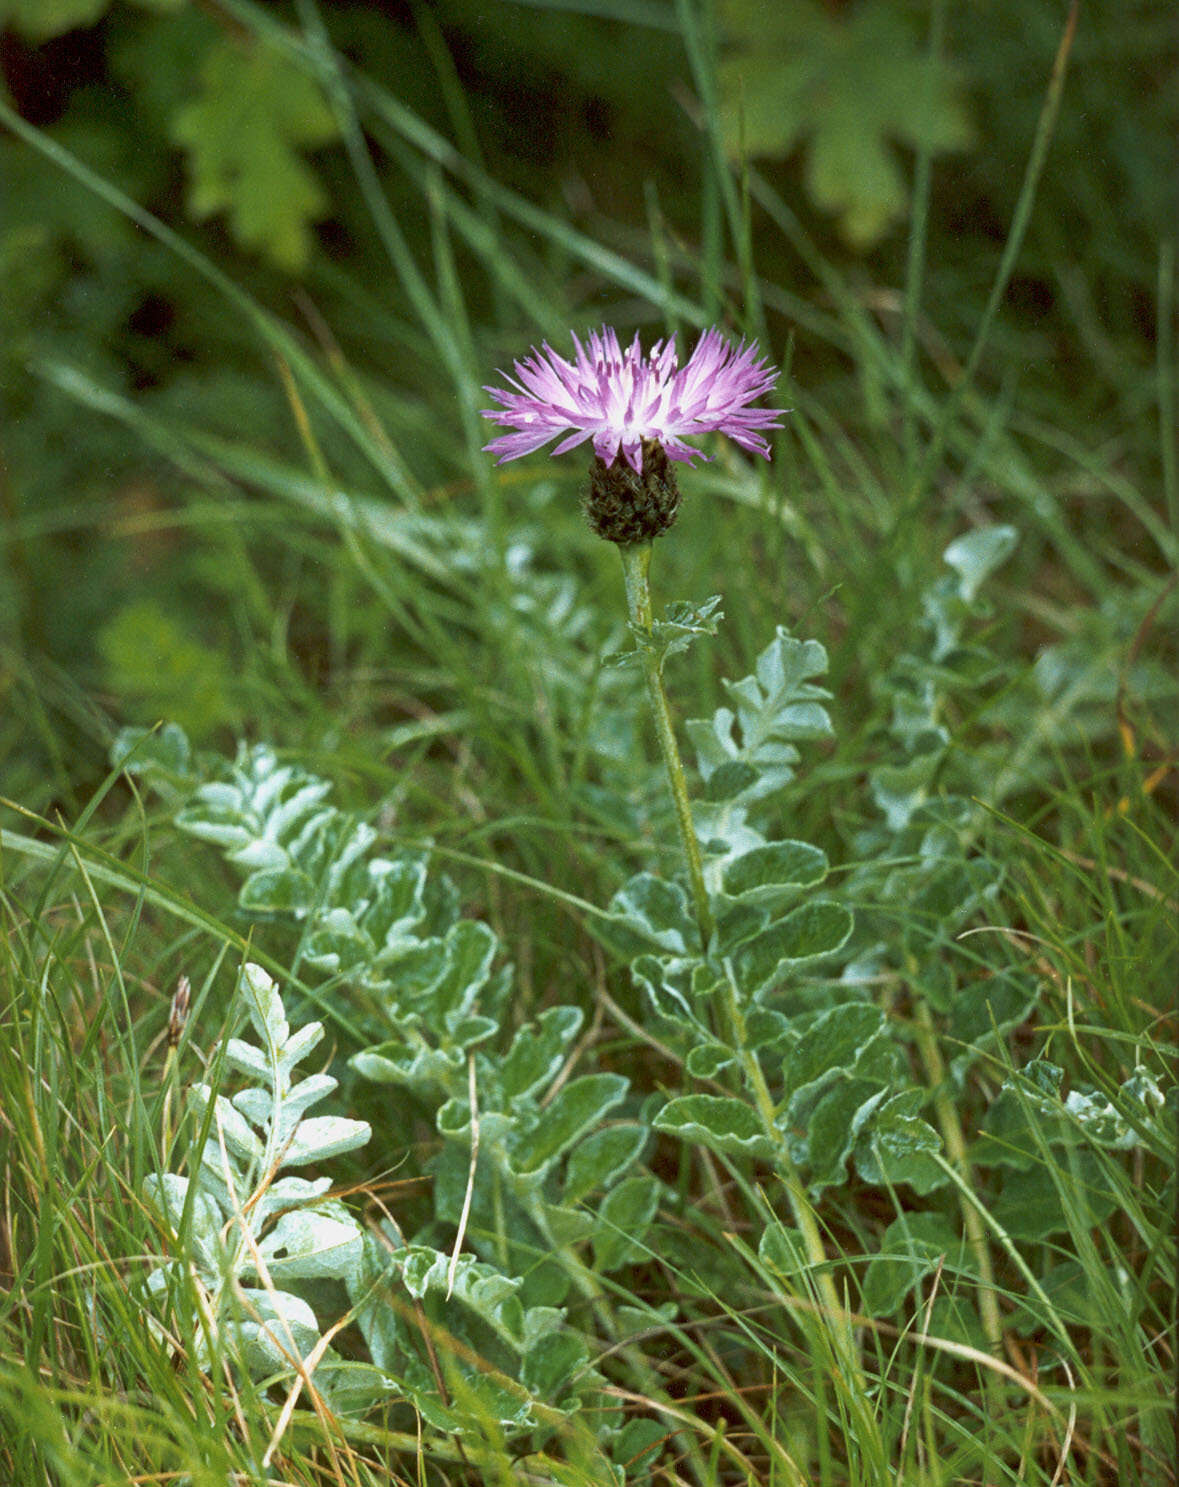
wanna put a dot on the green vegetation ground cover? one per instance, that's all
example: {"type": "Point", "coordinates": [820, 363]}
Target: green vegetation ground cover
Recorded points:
{"type": "Point", "coordinates": [906, 1209]}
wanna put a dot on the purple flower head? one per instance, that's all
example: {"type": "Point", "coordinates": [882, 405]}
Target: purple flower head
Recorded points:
{"type": "Point", "coordinates": [621, 398]}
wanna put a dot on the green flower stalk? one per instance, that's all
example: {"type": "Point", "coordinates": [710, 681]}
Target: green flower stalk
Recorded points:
{"type": "Point", "coordinates": [636, 564]}
{"type": "Point", "coordinates": [638, 410]}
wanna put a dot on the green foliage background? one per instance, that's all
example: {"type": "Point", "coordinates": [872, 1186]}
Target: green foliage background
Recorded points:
{"type": "Point", "coordinates": [196, 117]}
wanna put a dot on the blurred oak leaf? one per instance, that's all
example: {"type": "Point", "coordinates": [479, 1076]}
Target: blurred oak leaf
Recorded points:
{"type": "Point", "coordinates": [846, 86]}
{"type": "Point", "coordinates": [39, 20]}
{"type": "Point", "coordinates": [245, 133]}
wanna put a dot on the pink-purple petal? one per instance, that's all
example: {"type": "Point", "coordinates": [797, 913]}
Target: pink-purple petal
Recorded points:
{"type": "Point", "coordinates": [514, 446]}
{"type": "Point", "coordinates": [579, 436]}
{"type": "Point", "coordinates": [621, 398]}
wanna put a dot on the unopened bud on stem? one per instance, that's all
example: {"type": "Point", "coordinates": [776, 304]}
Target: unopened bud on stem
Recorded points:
{"type": "Point", "coordinates": [628, 506]}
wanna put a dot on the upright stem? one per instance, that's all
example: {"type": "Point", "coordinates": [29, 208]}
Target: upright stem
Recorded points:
{"type": "Point", "coordinates": [636, 566]}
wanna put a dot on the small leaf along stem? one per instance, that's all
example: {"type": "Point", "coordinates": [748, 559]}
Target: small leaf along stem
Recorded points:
{"type": "Point", "coordinates": [636, 567]}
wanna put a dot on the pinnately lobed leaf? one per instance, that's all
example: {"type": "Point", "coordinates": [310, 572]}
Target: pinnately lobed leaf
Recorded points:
{"type": "Point", "coordinates": [775, 707]}
{"type": "Point", "coordinates": [245, 132]}
{"type": "Point", "coordinates": [244, 1220]}
{"type": "Point", "coordinates": [847, 85]}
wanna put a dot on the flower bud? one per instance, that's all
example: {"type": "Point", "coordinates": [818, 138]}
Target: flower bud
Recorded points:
{"type": "Point", "coordinates": [628, 506]}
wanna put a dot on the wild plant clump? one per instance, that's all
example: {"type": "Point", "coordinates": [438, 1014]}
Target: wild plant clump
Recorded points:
{"type": "Point", "coordinates": [485, 1005]}
{"type": "Point", "coordinates": [504, 1314]}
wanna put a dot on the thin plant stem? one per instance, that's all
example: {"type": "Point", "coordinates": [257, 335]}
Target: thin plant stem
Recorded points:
{"type": "Point", "coordinates": [636, 567]}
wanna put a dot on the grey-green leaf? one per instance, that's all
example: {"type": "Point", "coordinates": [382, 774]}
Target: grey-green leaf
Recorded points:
{"type": "Point", "coordinates": [719, 1122]}
{"type": "Point", "coordinates": [311, 1244]}
{"type": "Point", "coordinates": [663, 980]}
{"type": "Point", "coordinates": [247, 1059]}
{"type": "Point", "coordinates": [730, 779]}
{"type": "Point", "coordinates": [975, 555]}
{"type": "Point", "coordinates": [144, 750]}
{"type": "Point", "coordinates": [168, 1194]}
{"type": "Point", "coordinates": [706, 1060]}
{"type": "Point", "coordinates": [832, 1127]}
{"type": "Point", "coordinates": [783, 1248]}
{"type": "Point", "coordinates": [538, 1051]}
{"type": "Point", "coordinates": [579, 1106]}
{"type": "Point", "coordinates": [910, 1248]}
{"type": "Point", "coordinates": [810, 931]}
{"type": "Point", "coordinates": [898, 1146]}
{"type": "Point", "coordinates": [470, 948]}
{"type": "Point", "coordinates": [264, 1005]}
{"type": "Point", "coordinates": [548, 1364]}
{"type": "Point", "coordinates": [774, 707]}
{"type": "Point", "coordinates": [768, 873]}
{"type": "Point", "coordinates": [282, 1329]}
{"type": "Point", "coordinates": [228, 1126]}
{"type": "Point", "coordinates": [624, 1218]}
{"type": "Point", "coordinates": [598, 1160]}
{"type": "Point", "coordinates": [299, 1045]}
{"type": "Point", "coordinates": [283, 890]}
{"type": "Point", "coordinates": [834, 1043]}
{"type": "Point", "coordinates": [655, 912]}
{"type": "Point", "coordinates": [324, 1136]}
